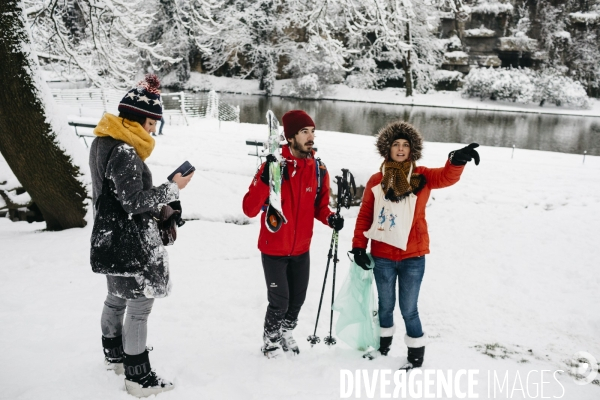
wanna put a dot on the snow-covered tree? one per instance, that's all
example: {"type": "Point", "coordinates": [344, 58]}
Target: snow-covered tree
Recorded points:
{"type": "Point", "coordinates": [179, 26]}
{"type": "Point", "coordinates": [253, 40]}
{"type": "Point", "coordinates": [583, 57]}
{"type": "Point", "coordinates": [570, 34]}
{"type": "Point", "coordinates": [46, 167]}
{"type": "Point", "coordinates": [402, 34]}
{"type": "Point", "coordinates": [101, 41]}
{"type": "Point", "coordinates": [397, 34]}
{"type": "Point", "coordinates": [107, 44]}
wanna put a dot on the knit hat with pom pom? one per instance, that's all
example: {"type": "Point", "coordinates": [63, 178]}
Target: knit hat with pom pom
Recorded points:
{"type": "Point", "coordinates": [144, 99]}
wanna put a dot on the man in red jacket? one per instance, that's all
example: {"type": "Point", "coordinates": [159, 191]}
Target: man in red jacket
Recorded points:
{"type": "Point", "coordinates": [285, 253]}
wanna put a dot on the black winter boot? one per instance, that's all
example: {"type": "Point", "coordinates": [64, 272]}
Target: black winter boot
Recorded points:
{"type": "Point", "coordinates": [140, 379]}
{"type": "Point", "coordinates": [385, 342]}
{"type": "Point", "coordinates": [416, 352]}
{"type": "Point", "coordinates": [415, 358]}
{"type": "Point", "coordinates": [113, 354]}
{"type": "Point", "coordinates": [384, 345]}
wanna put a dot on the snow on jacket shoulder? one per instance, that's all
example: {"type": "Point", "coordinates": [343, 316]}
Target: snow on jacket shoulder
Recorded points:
{"type": "Point", "coordinates": [298, 195]}
{"type": "Point", "coordinates": [418, 239]}
{"type": "Point", "coordinates": [129, 176]}
{"type": "Point", "coordinates": [131, 180]}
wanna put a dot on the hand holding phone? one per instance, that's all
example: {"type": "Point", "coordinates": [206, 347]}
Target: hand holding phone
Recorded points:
{"type": "Point", "coordinates": [184, 169]}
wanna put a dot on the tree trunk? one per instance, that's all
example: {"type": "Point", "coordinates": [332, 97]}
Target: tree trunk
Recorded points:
{"type": "Point", "coordinates": [407, 65]}
{"type": "Point", "coordinates": [27, 140]}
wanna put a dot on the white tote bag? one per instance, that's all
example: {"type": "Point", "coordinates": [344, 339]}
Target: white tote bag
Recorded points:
{"type": "Point", "coordinates": [392, 221]}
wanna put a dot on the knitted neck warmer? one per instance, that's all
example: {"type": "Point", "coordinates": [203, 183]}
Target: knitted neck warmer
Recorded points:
{"type": "Point", "coordinates": [127, 131]}
{"type": "Point", "coordinates": [394, 182]}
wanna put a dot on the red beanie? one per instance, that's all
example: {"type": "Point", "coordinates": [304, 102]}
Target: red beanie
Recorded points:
{"type": "Point", "coordinates": [295, 120]}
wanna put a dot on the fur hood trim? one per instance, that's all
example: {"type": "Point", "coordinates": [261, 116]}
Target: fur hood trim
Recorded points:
{"type": "Point", "coordinates": [399, 130]}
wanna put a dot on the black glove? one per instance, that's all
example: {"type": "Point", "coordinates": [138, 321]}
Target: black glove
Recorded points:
{"type": "Point", "coordinates": [265, 172]}
{"type": "Point", "coordinates": [167, 224]}
{"type": "Point", "coordinates": [361, 258]}
{"type": "Point", "coordinates": [176, 206]}
{"type": "Point", "coordinates": [464, 155]}
{"type": "Point", "coordinates": [336, 222]}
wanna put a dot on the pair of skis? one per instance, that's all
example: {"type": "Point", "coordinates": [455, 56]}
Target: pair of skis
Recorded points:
{"type": "Point", "coordinates": [274, 217]}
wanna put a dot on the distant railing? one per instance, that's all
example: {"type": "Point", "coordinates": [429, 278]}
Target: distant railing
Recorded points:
{"type": "Point", "coordinates": [177, 107]}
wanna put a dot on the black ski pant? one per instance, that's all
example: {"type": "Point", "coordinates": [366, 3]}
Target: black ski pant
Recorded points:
{"type": "Point", "coordinates": [287, 280]}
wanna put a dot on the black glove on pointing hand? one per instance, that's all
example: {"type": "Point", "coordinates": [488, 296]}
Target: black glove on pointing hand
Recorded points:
{"type": "Point", "coordinates": [361, 258]}
{"type": "Point", "coordinates": [336, 222]}
{"type": "Point", "coordinates": [464, 155]}
{"type": "Point", "coordinates": [265, 173]}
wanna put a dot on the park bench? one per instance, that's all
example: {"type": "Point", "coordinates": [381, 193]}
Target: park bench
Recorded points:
{"type": "Point", "coordinates": [260, 150]}
{"type": "Point", "coordinates": [83, 134]}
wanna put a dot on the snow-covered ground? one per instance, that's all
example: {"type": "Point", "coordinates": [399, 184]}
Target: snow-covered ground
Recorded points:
{"type": "Point", "coordinates": [513, 267]}
{"type": "Point", "coordinates": [389, 95]}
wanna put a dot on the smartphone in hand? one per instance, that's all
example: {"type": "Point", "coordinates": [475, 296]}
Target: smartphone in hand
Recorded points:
{"type": "Point", "coordinates": [185, 169]}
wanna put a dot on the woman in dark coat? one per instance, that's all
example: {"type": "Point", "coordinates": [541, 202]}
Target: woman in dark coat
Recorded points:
{"type": "Point", "coordinates": [117, 154]}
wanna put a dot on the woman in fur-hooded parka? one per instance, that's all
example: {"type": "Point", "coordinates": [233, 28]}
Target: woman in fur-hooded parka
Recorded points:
{"type": "Point", "coordinates": [393, 187]}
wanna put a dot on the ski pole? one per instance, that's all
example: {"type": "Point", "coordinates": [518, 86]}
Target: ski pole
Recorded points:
{"type": "Point", "coordinates": [342, 195]}
{"type": "Point", "coordinates": [314, 339]}
{"type": "Point", "coordinates": [346, 190]}
{"type": "Point", "coordinates": [330, 340]}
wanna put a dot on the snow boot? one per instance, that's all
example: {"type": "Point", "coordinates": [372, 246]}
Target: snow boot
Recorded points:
{"type": "Point", "coordinates": [287, 339]}
{"type": "Point", "coordinates": [113, 354]}
{"type": "Point", "coordinates": [416, 352]}
{"type": "Point", "coordinates": [385, 342]}
{"type": "Point", "coordinates": [140, 379]}
{"type": "Point", "coordinates": [272, 345]}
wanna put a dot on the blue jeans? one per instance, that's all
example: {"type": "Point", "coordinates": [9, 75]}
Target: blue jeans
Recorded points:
{"type": "Point", "coordinates": [409, 273]}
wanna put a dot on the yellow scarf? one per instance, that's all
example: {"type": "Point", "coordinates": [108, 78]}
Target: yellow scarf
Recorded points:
{"type": "Point", "coordinates": [127, 131]}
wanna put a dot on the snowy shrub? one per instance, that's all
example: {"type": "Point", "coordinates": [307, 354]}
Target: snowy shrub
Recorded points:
{"type": "Point", "coordinates": [364, 76]}
{"type": "Point", "coordinates": [310, 60]}
{"type": "Point", "coordinates": [524, 86]}
{"type": "Point", "coordinates": [555, 88]}
{"type": "Point", "coordinates": [478, 83]}
{"type": "Point", "coordinates": [499, 84]}
{"type": "Point", "coordinates": [447, 80]}
{"type": "Point", "coordinates": [441, 75]}
{"type": "Point", "coordinates": [361, 81]}
{"type": "Point", "coordinates": [512, 84]}
{"type": "Point", "coordinates": [307, 86]}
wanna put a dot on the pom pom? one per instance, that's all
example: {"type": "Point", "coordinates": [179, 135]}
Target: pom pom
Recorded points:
{"type": "Point", "coordinates": [150, 83]}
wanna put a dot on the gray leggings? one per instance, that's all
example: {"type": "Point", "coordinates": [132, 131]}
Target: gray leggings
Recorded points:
{"type": "Point", "coordinates": [135, 328]}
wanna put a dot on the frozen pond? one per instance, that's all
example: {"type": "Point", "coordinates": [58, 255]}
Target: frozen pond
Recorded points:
{"type": "Point", "coordinates": [568, 134]}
